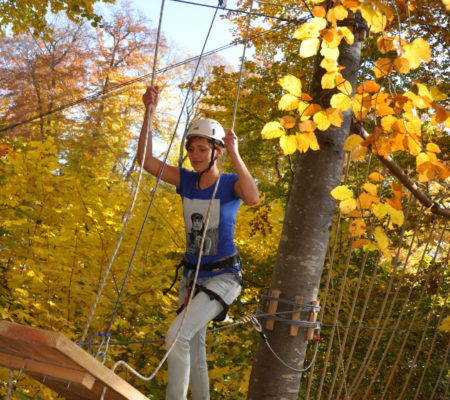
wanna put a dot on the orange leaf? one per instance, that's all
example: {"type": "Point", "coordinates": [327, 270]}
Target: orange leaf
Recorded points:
{"type": "Point", "coordinates": [401, 64]}
{"type": "Point", "coordinates": [368, 86]}
{"type": "Point", "coordinates": [383, 67]}
{"type": "Point", "coordinates": [376, 176]}
{"type": "Point", "coordinates": [319, 11]}
{"type": "Point", "coordinates": [288, 122]}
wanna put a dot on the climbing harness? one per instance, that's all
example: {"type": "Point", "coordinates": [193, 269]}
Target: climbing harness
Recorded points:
{"type": "Point", "coordinates": [228, 263]}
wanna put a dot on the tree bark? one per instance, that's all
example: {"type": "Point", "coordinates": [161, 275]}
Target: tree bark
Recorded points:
{"type": "Point", "coordinates": [303, 244]}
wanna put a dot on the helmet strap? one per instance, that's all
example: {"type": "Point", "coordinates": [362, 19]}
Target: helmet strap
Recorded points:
{"type": "Point", "coordinates": [211, 163]}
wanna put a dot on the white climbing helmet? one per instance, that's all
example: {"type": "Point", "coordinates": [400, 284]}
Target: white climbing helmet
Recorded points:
{"type": "Point", "coordinates": [207, 128]}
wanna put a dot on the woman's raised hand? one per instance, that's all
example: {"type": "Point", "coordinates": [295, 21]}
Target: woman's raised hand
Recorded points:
{"type": "Point", "coordinates": [150, 97]}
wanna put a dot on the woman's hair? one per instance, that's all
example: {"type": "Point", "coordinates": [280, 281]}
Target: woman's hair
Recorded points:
{"type": "Point", "coordinates": [211, 142]}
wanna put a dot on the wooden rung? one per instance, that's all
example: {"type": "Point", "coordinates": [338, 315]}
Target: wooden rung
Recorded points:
{"type": "Point", "coordinates": [273, 305]}
{"type": "Point", "coordinates": [60, 364]}
{"type": "Point", "coordinates": [295, 316]}
{"type": "Point", "coordinates": [312, 318]}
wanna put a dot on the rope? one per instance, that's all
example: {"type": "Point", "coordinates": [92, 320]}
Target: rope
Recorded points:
{"type": "Point", "coordinates": [428, 359]}
{"type": "Point", "coordinates": [10, 385]}
{"type": "Point", "coordinates": [444, 369]}
{"type": "Point", "coordinates": [412, 319]}
{"type": "Point", "coordinates": [376, 338]}
{"type": "Point", "coordinates": [127, 216]}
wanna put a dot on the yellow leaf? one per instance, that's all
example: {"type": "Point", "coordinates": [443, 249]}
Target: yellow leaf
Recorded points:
{"type": "Point", "coordinates": [288, 143]}
{"type": "Point", "coordinates": [347, 206]}
{"type": "Point", "coordinates": [332, 37]}
{"type": "Point", "coordinates": [434, 148]}
{"type": "Point", "coordinates": [272, 130]}
{"type": "Point", "coordinates": [376, 176]}
{"type": "Point", "coordinates": [374, 18]}
{"type": "Point", "coordinates": [329, 64]}
{"type": "Point", "coordinates": [337, 13]}
{"type": "Point", "coordinates": [445, 325]}
{"type": "Point", "coordinates": [423, 91]}
{"type": "Point", "coordinates": [413, 146]}
{"type": "Point", "coordinates": [307, 140]}
{"type": "Point", "coordinates": [309, 47]}
{"type": "Point", "coordinates": [360, 243]}
{"type": "Point", "coordinates": [341, 101]}
{"type": "Point", "coordinates": [329, 79]}
{"type": "Point", "coordinates": [417, 51]}
{"type": "Point", "coordinates": [335, 116]}
{"type": "Point", "coordinates": [380, 210]}
{"type": "Point", "coordinates": [437, 94]}
{"type": "Point", "coordinates": [381, 237]}
{"type": "Point", "coordinates": [370, 188]}
{"type": "Point", "coordinates": [342, 193]}
{"type": "Point", "coordinates": [288, 102]}
{"type": "Point", "coordinates": [386, 44]}
{"type": "Point", "coordinates": [352, 142]}
{"type": "Point", "coordinates": [292, 84]}
{"type": "Point", "coordinates": [387, 122]}
{"type": "Point", "coordinates": [322, 120]}
{"type": "Point", "coordinates": [288, 122]}
{"type": "Point", "coordinates": [329, 52]}
{"type": "Point", "coordinates": [344, 86]}
{"type": "Point", "coordinates": [397, 216]}
{"type": "Point", "coordinates": [348, 35]}
{"type": "Point", "coordinates": [382, 67]}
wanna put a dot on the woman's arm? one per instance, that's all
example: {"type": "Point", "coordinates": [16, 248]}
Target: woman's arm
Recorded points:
{"type": "Point", "coordinates": [151, 164]}
{"type": "Point", "coordinates": [245, 186]}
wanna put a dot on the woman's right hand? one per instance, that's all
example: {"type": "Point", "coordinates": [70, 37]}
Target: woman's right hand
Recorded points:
{"type": "Point", "coordinates": [150, 97]}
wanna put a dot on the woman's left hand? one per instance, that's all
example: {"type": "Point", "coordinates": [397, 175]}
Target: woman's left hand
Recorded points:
{"type": "Point", "coordinates": [231, 143]}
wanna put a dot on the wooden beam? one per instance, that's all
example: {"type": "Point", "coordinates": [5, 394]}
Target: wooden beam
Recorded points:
{"type": "Point", "coordinates": [44, 369]}
{"type": "Point", "coordinates": [67, 368]}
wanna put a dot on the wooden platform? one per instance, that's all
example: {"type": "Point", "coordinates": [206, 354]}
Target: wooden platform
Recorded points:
{"type": "Point", "coordinates": [60, 364]}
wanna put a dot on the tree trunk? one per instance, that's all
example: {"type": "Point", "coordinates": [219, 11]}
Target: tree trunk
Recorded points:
{"type": "Point", "coordinates": [303, 245]}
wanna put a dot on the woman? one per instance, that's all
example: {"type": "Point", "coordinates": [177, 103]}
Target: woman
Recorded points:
{"type": "Point", "coordinates": [219, 279]}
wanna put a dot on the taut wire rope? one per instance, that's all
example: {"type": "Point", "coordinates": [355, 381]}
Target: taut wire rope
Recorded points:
{"type": "Point", "coordinates": [127, 216]}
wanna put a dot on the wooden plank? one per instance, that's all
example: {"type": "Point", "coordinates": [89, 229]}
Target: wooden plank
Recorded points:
{"type": "Point", "coordinates": [44, 369]}
{"type": "Point", "coordinates": [312, 318]}
{"type": "Point", "coordinates": [293, 331]}
{"type": "Point", "coordinates": [56, 354]}
{"type": "Point", "coordinates": [273, 305]}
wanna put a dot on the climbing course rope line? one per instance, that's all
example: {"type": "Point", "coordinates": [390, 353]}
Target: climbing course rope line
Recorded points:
{"type": "Point", "coordinates": [376, 338]}
{"type": "Point", "coordinates": [127, 216]}
{"type": "Point", "coordinates": [411, 322]}
{"type": "Point", "coordinates": [355, 297]}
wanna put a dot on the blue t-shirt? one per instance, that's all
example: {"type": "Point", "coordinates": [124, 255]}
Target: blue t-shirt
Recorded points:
{"type": "Point", "coordinates": [219, 239]}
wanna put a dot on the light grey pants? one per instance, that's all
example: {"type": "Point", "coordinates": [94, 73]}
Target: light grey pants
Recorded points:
{"type": "Point", "coordinates": [187, 360]}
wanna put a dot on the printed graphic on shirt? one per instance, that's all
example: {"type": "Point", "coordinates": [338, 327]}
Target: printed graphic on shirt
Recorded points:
{"type": "Point", "coordinates": [195, 211]}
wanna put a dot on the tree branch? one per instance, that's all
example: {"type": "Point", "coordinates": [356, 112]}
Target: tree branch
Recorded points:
{"type": "Point", "coordinates": [402, 177]}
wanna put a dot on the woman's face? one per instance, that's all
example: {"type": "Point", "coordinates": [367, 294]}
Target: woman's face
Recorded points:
{"type": "Point", "coordinates": [199, 152]}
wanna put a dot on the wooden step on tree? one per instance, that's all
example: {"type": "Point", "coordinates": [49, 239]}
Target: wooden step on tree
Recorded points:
{"type": "Point", "coordinates": [52, 359]}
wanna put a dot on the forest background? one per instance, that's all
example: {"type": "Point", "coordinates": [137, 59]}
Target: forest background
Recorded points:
{"type": "Point", "coordinates": [67, 178]}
